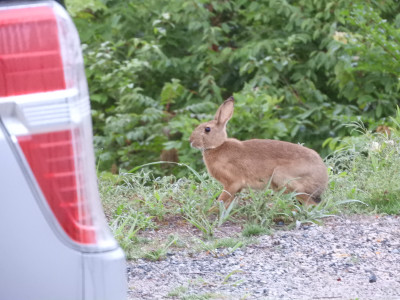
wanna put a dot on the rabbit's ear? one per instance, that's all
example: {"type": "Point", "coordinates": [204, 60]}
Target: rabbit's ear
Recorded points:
{"type": "Point", "coordinates": [225, 111]}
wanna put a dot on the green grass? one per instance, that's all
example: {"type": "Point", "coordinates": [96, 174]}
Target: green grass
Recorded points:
{"type": "Point", "coordinates": [214, 246]}
{"type": "Point", "coordinates": [364, 179]}
{"type": "Point", "coordinates": [254, 229]}
{"type": "Point", "coordinates": [368, 170]}
{"type": "Point", "coordinates": [161, 252]}
{"type": "Point", "coordinates": [205, 296]}
{"type": "Point", "coordinates": [177, 292]}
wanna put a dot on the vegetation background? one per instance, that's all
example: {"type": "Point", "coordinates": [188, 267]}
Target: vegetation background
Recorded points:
{"type": "Point", "coordinates": [320, 72]}
{"type": "Point", "coordinates": [299, 70]}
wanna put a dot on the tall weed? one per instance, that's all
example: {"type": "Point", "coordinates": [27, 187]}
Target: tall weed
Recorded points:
{"type": "Point", "coordinates": [367, 169]}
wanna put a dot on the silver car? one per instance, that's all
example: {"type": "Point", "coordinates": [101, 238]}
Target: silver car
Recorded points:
{"type": "Point", "coordinates": [55, 242]}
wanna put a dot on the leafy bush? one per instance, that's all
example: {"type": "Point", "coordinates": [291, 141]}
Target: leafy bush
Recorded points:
{"type": "Point", "coordinates": [299, 71]}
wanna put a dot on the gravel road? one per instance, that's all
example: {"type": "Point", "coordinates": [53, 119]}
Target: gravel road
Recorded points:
{"type": "Point", "coordinates": [355, 257]}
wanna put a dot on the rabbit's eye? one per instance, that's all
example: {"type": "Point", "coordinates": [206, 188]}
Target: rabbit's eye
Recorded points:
{"type": "Point", "coordinates": [207, 129]}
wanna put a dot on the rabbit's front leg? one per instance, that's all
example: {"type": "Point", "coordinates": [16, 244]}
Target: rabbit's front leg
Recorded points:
{"type": "Point", "coordinates": [228, 193]}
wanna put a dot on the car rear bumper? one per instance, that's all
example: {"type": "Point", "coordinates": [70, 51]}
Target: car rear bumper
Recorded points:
{"type": "Point", "coordinates": [99, 270]}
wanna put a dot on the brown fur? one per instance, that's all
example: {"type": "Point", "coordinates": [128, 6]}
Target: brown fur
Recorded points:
{"type": "Point", "coordinates": [254, 163]}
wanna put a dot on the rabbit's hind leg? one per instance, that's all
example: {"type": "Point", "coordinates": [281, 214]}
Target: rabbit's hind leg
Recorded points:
{"type": "Point", "coordinates": [281, 178]}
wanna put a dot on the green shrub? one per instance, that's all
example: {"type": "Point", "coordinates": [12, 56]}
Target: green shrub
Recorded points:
{"type": "Point", "coordinates": [299, 70]}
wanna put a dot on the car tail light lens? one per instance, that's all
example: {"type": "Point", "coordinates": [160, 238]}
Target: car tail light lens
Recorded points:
{"type": "Point", "coordinates": [44, 106]}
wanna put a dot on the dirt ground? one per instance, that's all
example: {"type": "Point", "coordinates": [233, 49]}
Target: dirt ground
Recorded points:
{"type": "Point", "coordinates": [353, 257]}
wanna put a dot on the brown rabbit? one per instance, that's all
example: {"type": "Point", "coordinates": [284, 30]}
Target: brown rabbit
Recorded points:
{"type": "Point", "coordinates": [255, 163]}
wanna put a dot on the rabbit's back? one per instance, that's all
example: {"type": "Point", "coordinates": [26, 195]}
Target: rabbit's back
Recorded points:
{"type": "Point", "coordinates": [258, 150]}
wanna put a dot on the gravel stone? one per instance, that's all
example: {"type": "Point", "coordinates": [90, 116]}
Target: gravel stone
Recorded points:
{"type": "Point", "coordinates": [372, 278]}
{"type": "Point", "coordinates": [355, 257]}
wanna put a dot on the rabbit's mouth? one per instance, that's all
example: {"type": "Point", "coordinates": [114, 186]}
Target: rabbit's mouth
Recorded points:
{"type": "Point", "coordinates": [196, 146]}
{"type": "Point", "coordinates": [195, 143]}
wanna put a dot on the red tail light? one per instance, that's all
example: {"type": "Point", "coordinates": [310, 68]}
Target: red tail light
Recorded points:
{"type": "Point", "coordinates": [30, 52]}
{"type": "Point", "coordinates": [51, 158]}
{"type": "Point", "coordinates": [43, 93]}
